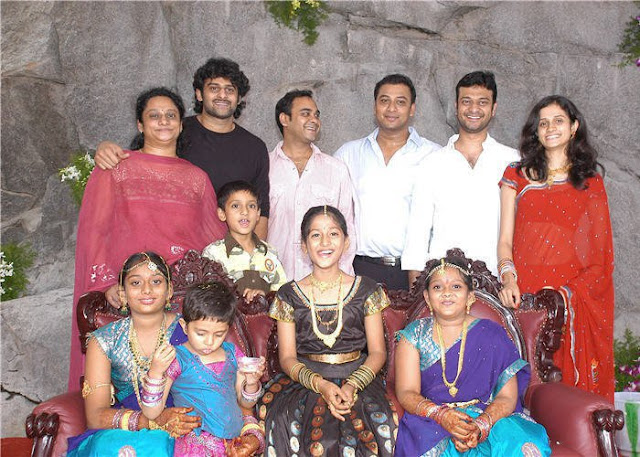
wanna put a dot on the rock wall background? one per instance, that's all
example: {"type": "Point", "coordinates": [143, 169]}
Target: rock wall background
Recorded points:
{"type": "Point", "coordinates": [71, 72]}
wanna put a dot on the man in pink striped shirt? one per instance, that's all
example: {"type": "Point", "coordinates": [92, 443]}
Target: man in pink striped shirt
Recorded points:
{"type": "Point", "coordinates": [301, 176]}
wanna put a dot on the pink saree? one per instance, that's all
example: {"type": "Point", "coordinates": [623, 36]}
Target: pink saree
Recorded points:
{"type": "Point", "coordinates": [161, 204]}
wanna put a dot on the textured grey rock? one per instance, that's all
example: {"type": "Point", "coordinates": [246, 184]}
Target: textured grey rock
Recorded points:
{"type": "Point", "coordinates": [36, 337]}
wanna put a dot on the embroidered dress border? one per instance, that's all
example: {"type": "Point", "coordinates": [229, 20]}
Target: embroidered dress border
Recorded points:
{"type": "Point", "coordinates": [506, 375]}
{"type": "Point", "coordinates": [422, 332]}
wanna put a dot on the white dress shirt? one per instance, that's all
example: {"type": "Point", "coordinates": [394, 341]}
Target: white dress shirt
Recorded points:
{"type": "Point", "coordinates": [324, 181]}
{"type": "Point", "coordinates": [455, 205]}
{"type": "Point", "coordinates": [383, 191]}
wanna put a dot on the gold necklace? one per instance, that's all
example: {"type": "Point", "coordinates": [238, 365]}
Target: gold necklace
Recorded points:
{"type": "Point", "coordinates": [552, 172]}
{"type": "Point", "coordinates": [138, 359]}
{"type": "Point", "coordinates": [323, 286]}
{"type": "Point", "coordinates": [453, 390]}
{"type": "Point", "coordinates": [328, 339]}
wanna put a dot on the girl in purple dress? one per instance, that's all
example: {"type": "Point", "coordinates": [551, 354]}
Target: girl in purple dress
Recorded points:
{"type": "Point", "coordinates": [460, 379]}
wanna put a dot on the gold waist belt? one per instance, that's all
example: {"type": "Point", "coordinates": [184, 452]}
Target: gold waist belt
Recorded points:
{"type": "Point", "coordinates": [333, 359]}
{"type": "Point", "coordinates": [462, 404]}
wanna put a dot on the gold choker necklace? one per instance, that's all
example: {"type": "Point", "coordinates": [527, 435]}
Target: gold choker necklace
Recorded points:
{"type": "Point", "coordinates": [453, 390]}
{"type": "Point", "coordinates": [323, 286]}
{"type": "Point", "coordinates": [328, 339]}
{"type": "Point", "coordinates": [553, 172]}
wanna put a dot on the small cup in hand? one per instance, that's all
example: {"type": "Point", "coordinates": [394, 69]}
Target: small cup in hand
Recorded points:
{"type": "Point", "coordinates": [249, 364]}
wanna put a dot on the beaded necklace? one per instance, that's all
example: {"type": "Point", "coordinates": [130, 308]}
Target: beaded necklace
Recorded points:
{"type": "Point", "coordinates": [140, 362]}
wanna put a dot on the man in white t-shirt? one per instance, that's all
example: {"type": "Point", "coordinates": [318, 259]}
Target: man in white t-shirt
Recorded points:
{"type": "Point", "coordinates": [456, 202]}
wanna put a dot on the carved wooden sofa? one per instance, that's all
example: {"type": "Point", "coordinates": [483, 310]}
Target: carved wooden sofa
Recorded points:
{"type": "Point", "coordinates": [578, 423]}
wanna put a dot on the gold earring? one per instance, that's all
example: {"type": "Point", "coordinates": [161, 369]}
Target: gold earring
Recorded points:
{"type": "Point", "coordinates": [470, 302]}
{"type": "Point", "coordinates": [124, 309]}
{"type": "Point", "coordinates": [167, 306]}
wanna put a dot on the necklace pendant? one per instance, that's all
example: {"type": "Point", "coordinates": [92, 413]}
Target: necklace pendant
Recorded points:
{"type": "Point", "coordinates": [453, 390]}
{"type": "Point", "coordinates": [329, 340]}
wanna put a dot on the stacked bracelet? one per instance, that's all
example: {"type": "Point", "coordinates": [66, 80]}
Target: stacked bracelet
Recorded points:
{"type": "Point", "coordinates": [309, 379]}
{"type": "Point", "coordinates": [134, 421]}
{"type": "Point", "coordinates": [361, 378]}
{"type": "Point", "coordinates": [294, 373]}
{"type": "Point", "coordinates": [152, 390]}
{"type": "Point", "coordinates": [251, 397]}
{"type": "Point", "coordinates": [124, 422]}
{"type": "Point", "coordinates": [117, 418]}
{"type": "Point", "coordinates": [505, 266]}
{"type": "Point", "coordinates": [251, 427]}
{"type": "Point", "coordinates": [484, 423]}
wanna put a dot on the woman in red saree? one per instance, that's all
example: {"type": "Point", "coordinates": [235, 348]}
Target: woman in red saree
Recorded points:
{"type": "Point", "coordinates": [153, 201]}
{"type": "Point", "coordinates": [555, 232]}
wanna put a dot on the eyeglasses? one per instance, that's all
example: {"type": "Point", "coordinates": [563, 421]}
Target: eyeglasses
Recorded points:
{"type": "Point", "coordinates": [157, 116]}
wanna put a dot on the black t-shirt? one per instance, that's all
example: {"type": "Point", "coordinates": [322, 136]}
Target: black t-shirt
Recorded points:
{"type": "Point", "coordinates": [225, 157]}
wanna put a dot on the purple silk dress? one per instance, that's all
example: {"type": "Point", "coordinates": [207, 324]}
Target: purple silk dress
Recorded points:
{"type": "Point", "coordinates": [490, 360]}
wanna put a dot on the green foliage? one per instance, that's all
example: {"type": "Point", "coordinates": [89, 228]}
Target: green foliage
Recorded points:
{"type": "Point", "coordinates": [627, 360]}
{"type": "Point", "coordinates": [630, 44]}
{"type": "Point", "coordinates": [77, 173]}
{"type": "Point", "coordinates": [301, 15]}
{"type": "Point", "coordinates": [14, 261]}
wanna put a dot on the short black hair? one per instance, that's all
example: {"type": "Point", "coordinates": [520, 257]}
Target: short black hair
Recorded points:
{"type": "Point", "coordinates": [235, 186]}
{"type": "Point", "coordinates": [221, 68]}
{"type": "Point", "coordinates": [334, 213]}
{"type": "Point", "coordinates": [210, 300]}
{"type": "Point", "coordinates": [285, 103]}
{"type": "Point", "coordinates": [141, 103]}
{"type": "Point", "coordinates": [480, 78]}
{"type": "Point", "coordinates": [396, 79]}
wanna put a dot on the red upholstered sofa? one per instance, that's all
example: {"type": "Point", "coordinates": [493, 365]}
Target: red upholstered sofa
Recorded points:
{"type": "Point", "coordinates": [579, 423]}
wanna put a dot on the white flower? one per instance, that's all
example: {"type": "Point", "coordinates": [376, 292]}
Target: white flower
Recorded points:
{"type": "Point", "coordinates": [89, 159]}
{"type": "Point", "coordinates": [6, 269]}
{"type": "Point", "coordinates": [70, 173]}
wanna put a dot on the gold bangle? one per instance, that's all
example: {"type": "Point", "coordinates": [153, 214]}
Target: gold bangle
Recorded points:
{"type": "Point", "coordinates": [124, 422]}
{"type": "Point", "coordinates": [293, 374]}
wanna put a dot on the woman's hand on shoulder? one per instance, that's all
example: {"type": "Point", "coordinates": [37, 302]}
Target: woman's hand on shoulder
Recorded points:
{"type": "Point", "coordinates": [510, 293]}
{"type": "Point", "coordinates": [161, 360]}
{"type": "Point", "coordinates": [112, 296]}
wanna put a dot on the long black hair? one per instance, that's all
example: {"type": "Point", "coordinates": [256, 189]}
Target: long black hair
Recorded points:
{"type": "Point", "coordinates": [582, 156]}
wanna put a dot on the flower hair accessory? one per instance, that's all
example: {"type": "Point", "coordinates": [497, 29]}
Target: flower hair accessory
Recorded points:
{"type": "Point", "coordinates": [440, 269]}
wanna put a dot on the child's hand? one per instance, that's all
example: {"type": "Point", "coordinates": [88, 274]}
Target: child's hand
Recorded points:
{"type": "Point", "coordinates": [251, 378]}
{"type": "Point", "coordinates": [250, 294]}
{"type": "Point", "coordinates": [242, 446]}
{"type": "Point", "coordinates": [161, 360]}
{"type": "Point", "coordinates": [338, 402]}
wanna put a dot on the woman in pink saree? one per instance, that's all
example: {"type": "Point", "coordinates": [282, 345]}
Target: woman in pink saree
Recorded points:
{"type": "Point", "coordinates": [154, 201]}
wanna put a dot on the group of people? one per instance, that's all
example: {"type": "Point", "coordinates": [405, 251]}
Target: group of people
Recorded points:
{"type": "Point", "coordinates": [335, 227]}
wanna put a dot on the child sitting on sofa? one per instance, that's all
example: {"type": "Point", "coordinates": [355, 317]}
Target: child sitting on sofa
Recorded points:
{"type": "Point", "coordinates": [208, 374]}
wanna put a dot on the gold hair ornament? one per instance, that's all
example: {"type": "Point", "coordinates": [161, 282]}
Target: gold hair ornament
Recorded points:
{"type": "Point", "coordinates": [440, 269]}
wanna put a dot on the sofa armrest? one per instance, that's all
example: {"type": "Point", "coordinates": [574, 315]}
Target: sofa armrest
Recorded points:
{"type": "Point", "coordinates": [580, 420]}
{"type": "Point", "coordinates": [53, 421]}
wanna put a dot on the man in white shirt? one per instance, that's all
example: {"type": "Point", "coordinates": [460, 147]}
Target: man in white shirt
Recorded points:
{"type": "Point", "coordinates": [457, 200]}
{"type": "Point", "coordinates": [383, 171]}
